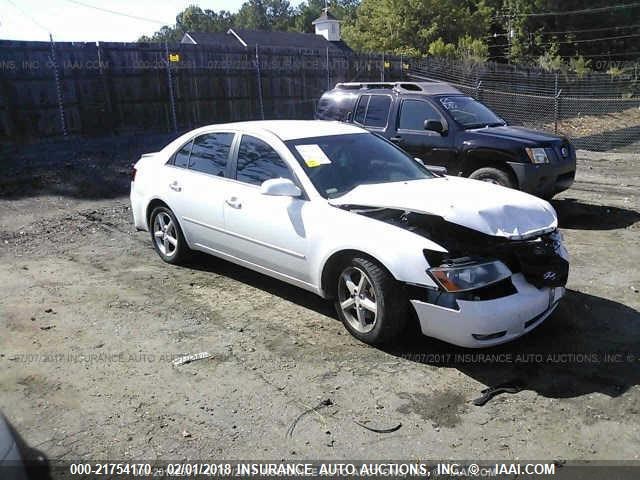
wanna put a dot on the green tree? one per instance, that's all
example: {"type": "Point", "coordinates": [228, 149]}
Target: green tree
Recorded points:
{"type": "Point", "coordinates": [308, 11]}
{"type": "Point", "coordinates": [551, 60]}
{"type": "Point", "coordinates": [393, 25]}
{"type": "Point", "coordinates": [472, 49]}
{"type": "Point", "coordinates": [265, 15]}
{"type": "Point", "coordinates": [192, 19]}
{"type": "Point", "coordinates": [580, 66]}
{"type": "Point", "coordinates": [438, 48]}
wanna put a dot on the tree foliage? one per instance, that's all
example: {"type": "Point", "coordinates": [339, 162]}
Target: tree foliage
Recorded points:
{"type": "Point", "coordinates": [520, 31]}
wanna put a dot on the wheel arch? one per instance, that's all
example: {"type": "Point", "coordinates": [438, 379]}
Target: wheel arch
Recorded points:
{"type": "Point", "coordinates": [480, 158]}
{"type": "Point", "coordinates": [335, 262]}
{"type": "Point", "coordinates": [155, 202]}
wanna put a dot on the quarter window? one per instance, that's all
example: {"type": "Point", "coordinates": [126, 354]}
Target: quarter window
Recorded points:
{"type": "Point", "coordinates": [258, 162]}
{"type": "Point", "coordinates": [181, 158]}
{"type": "Point", "coordinates": [210, 153]}
{"type": "Point", "coordinates": [414, 113]}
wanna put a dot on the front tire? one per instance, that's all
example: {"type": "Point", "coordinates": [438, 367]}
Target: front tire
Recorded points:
{"type": "Point", "coordinates": [370, 302]}
{"type": "Point", "coordinates": [166, 235]}
{"type": "Point", "coordinates": [494, 175]}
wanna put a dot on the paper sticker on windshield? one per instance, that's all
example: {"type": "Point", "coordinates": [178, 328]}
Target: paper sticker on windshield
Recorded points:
{"type": "Point", "coordinates": [313, 155]}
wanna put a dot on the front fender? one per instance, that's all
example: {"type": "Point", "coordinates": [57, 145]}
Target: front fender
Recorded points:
{"type": "Point", "coordinates": [398, 250]}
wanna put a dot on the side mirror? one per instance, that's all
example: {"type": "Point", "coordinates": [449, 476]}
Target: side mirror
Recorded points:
{"type": "Point", "coordinates": [280, 187]}
{"type": "Point", "coordinates": [434, 126]}
{"type": "Point", "coordinates": [419, 160]}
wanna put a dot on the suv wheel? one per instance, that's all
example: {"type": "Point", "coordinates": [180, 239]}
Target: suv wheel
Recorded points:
{"type": "Point", "coordinates": [493, 175]}
{"type": "Point", "coordinates": [370, 302]}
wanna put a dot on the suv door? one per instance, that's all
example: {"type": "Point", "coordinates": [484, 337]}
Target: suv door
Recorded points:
{"type": "Point", "coordinates": [432, 147]}
{"type": "Point", "coordinates": [267, 231]}
{"type": "Point", "coordinates": [203, 188]}
{"type": "Point", "coordinates": [372, 111]}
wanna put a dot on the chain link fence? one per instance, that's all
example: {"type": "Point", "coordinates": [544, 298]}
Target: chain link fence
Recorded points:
{"type": "Point", "coordinates": [597, 111]}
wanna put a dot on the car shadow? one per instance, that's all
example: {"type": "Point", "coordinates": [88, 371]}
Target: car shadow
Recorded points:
{"type": "Point", "coordinates": [589, 344]}
{"type": "Point", "coordinates": [291, 293]}
{"type": "Point", "coordinates": [33, 464]}
{"type": "Point", "coordinates": [576, 215]}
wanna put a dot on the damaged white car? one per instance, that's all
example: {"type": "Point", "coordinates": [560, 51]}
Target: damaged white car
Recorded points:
{"type": "Point", "coordinates": [344, 213]}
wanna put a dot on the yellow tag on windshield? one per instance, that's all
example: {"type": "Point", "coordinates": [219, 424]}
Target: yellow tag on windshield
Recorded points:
{"type": "Point", "coordinates": [312, 162]}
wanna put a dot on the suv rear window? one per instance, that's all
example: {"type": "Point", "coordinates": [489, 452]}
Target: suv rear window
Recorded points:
{"type": "Point", "coordinates": [373, 110]}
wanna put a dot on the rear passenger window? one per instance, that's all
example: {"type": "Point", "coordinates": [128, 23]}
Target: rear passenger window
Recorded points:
{"type": "Point", "coordinates": [378, 111]}
{"type": "Point", "coordinates": [258, 162]}
{"type": "Point", "coordinates": [414, 113]}
{"type": "Point", "coordinates": [210, 153]}
{"type": "Point", "coordinates": [181, 157]}
{"type": "Point", "coordinates": [373, 110]}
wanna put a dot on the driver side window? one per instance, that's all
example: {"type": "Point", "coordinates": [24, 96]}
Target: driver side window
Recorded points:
{"type": "Point", "coordinates": [414, 113]}
{"type": "Point", "coordinates": [258, 162]}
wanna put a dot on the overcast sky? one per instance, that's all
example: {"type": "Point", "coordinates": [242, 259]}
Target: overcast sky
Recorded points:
{"type": "Point", "coordinates": [69, 21]}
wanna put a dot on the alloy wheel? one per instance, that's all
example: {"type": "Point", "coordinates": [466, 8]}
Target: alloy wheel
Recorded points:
{"type": "Point", "coordinates": [358, 300]}
{"type": "Point", "coordinates": [165, 234]}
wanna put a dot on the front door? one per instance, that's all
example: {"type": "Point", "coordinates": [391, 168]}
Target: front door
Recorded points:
{"type": "Point", "coordinates": [265, 230]}
{"type": "Point", "coordinates": [432, 147]}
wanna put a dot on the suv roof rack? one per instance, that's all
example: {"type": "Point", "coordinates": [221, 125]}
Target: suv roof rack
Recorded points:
{"type": "Point", "coordinates": [407, 86]}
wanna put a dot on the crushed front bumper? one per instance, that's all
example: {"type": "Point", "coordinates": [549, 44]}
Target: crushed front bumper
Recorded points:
{"type": "Point", "coordinates": [486, 323]}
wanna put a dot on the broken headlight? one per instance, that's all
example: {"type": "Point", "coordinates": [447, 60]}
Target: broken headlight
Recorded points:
{"type": "Point", "coordinates": [466, 274]}
{"type": "Point", "coordinates": [537, 155]}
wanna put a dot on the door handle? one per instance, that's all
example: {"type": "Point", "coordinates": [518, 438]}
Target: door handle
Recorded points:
{"type": "Point", "coordinates": [234, 202]}
{"type": "Point", "coordinates": [175, 187]}
{"type": "Point", "coordinates": [396, 139]}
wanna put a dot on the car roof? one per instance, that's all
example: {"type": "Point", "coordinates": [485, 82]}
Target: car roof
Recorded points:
{"type": "Point", "coordinates": [412, 88]}
{"type": "Point", "coordinates": [291, 129]}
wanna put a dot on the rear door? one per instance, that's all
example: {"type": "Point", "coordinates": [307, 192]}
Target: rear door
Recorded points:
{"type": "Point", "coordinates": [372, 112]}
{"type": "Point", "coordinates": [265, 230]}
{"type": "Point", "coordinates": [432, 147]}
{"type": "Point", "coordinates": [203, 189]}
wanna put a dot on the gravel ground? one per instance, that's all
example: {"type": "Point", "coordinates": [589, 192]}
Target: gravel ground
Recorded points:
{"type": "Point", "coordinates": [91, 320]}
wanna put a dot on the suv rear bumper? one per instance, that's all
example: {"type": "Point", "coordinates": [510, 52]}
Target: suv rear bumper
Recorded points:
{"type": "Point", "coordinates": [545, 180]}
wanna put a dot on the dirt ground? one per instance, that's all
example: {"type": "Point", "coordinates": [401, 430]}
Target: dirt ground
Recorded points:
{"type": "Point", "coordinates": [91, 319]}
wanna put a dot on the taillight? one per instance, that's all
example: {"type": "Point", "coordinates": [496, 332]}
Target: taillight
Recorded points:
{"type": "Point", "coordinates": [133, 174]}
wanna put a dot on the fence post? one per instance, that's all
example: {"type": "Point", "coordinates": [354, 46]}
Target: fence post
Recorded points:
{"type": "Point", "coordinates": [479, 90]}
{"type": "Point", "coordinates": [556, 104]}
{"type": "Point", "coordinates": [106, 87]}
{"type": "Point", "coordinates": [259, 78]}
{"type": "Point", "coordinates": [328, 70]}
{"type": "Point", "coordinates": [56, 75]}
{"type": "Point", "coordinates": [382, 69]}
{"type": "Point", "coordinates": [170, 81]}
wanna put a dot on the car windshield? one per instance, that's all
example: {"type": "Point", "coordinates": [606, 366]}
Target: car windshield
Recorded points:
{"type": "Point", "coordinates": [338, 163]}
{"type": "Point", "coordinates": [470, 113]}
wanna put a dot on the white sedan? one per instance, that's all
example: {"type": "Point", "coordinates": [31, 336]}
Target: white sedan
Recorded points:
{"type": "Point", "coordinates": [344, 213]}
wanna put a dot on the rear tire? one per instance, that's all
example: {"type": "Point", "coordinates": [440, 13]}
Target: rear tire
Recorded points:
{"type": "Point", "coordinates": [166, 236]}
{"type": "Point", "coordinates": [495, 176]}
{"type": "Point", "coordinates": [370, 302]}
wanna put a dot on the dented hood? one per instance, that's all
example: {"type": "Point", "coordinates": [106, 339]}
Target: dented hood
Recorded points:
{"type": "Point", "coordinates": [481, 206]}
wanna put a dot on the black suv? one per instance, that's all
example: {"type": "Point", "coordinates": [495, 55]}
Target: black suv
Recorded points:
{"type": "Point", "coordinates": [443, 127]}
